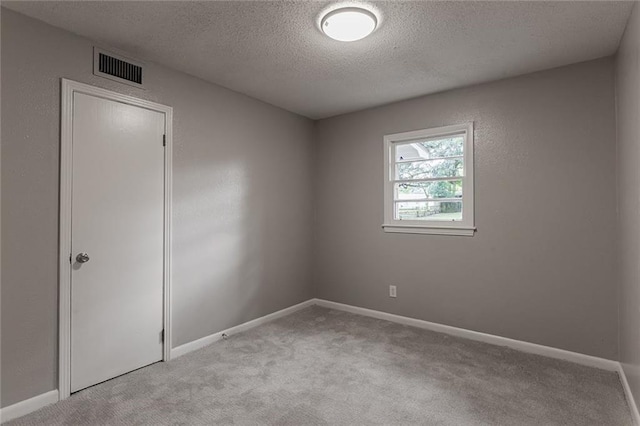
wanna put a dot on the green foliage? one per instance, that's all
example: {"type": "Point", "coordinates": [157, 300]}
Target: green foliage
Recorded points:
{"type": "Point", "coordinates": [438, 148]}
{"type": "Point", "coordinates": [431, 159]}
{"type": "Point", "coordinates": [437, 166]}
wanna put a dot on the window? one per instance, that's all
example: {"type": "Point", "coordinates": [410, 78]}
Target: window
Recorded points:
{"type": "Point", "coordinates": [428, 186]}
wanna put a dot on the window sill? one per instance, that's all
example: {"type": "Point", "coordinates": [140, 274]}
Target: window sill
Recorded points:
{"type": "Point", "coordinates": [464, 231]}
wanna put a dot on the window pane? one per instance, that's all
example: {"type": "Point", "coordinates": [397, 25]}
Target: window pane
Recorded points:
{"type": "Point", "coordinates": [430, 169]}
{"type": "Point", "coordinates": [434, 148]}
{"type": "Point", "coordinates": [429, 210]}
{"type": "Point", "coordinates": [421, 190]}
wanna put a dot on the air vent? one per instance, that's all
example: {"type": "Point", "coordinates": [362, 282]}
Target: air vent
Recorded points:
{"type": "Point", "coordinates": [118, 68]}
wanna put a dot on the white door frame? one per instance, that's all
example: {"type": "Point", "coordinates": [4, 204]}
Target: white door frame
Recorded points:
{"type": "Point", "coordinates": [66, 174]}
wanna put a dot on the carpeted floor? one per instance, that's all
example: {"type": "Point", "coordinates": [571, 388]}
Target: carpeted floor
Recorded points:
{"type": "Point", "coordinates": [325, 367]}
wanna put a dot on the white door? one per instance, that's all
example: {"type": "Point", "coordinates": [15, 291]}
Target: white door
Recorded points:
{"type": "Point", "coordinates": [118, 222]}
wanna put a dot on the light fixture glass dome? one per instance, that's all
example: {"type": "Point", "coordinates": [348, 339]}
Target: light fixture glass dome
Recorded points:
{"type": "Point", "coordinates": [349, 24]}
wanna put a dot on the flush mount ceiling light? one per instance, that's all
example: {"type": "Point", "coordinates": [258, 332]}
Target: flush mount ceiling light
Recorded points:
{"type": "Point", "coordinates": [349, 24]}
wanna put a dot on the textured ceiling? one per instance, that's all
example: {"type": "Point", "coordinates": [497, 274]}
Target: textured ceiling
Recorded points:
{"type": "Point", "coordinates": [274, 51]}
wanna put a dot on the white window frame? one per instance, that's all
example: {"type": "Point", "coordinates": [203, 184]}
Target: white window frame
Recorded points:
{"type": "Point", "coordinates": [464, 227]}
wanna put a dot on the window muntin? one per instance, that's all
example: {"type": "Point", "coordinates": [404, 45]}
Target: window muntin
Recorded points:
{"type": "Point", "coordinates": [429, 179]}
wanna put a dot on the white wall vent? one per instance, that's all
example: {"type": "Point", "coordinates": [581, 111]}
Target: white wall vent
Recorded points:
{"type": "Point", "coordinates": [118, 68]}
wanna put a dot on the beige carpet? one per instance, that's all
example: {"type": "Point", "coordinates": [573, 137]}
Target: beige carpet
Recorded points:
{"type": "Point", "coordinates": [325, 367]}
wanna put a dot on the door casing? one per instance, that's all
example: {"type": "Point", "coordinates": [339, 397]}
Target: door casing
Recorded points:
{"type": "Point", "coordinates": [68, 88]}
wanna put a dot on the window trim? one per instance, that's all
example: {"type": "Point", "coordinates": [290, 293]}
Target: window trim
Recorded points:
{"type": "Point", "coordinates": [465, 227]}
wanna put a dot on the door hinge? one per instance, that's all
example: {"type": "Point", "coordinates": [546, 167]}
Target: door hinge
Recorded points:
{"type": "Point", "coordinates": [70, 256]}
{"type": "Point", "coordinates": [162, 335]}
{"type": "Point", "coordinates": [164, 140]}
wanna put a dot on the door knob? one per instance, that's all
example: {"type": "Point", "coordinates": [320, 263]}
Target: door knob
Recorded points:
{"type": "Point", "coordinates": [82, 258]}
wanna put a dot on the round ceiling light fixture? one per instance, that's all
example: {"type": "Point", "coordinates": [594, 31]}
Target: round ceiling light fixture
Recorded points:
{"type": "Point", "coordinates": [349, 23]}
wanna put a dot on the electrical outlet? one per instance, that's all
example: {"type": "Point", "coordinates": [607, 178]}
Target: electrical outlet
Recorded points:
{"type": "Point", "coordinates": [392, 291]}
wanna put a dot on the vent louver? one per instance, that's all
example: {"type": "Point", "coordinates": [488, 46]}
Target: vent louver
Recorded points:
{"type": "Point", "coordinates": [121, 69]}
{"type": "Point", "coordinates": [117, 68]}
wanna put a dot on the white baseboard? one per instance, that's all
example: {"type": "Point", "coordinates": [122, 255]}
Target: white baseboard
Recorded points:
{"type": "Point", "coordinates": [578, 358]}
{"type": "Point", "coordinates": [207, 340]}
{"type": "Point", "coordinates": [27, 406]}
{"type": "Point", "coordinates": [627, 393]}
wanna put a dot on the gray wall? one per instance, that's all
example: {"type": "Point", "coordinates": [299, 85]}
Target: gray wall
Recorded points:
{"type": "Point", "coordinates": [241, 247]}
{"type": "Point", "coordinates": [628, 105]}
{"type": "Point", "coordinates": [541, 266]}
